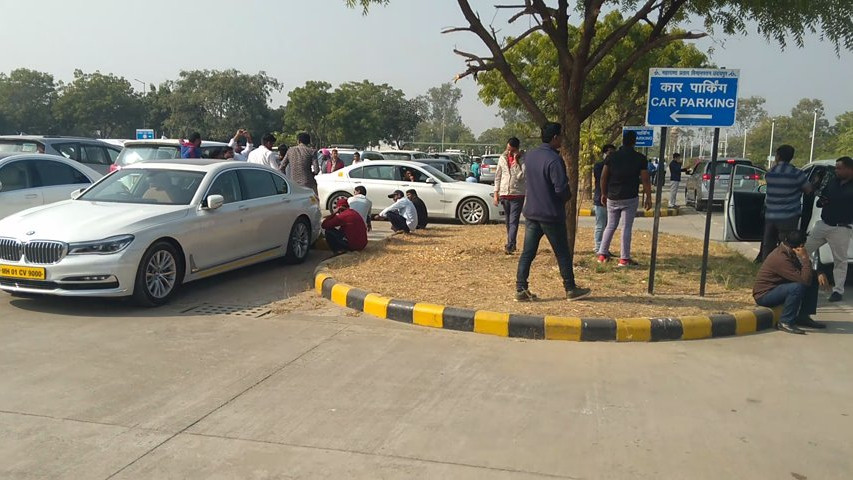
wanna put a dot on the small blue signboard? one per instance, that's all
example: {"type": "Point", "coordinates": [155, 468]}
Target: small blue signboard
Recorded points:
{"type": "Point", "coordinates": [692, 97]}
{"type": "Point", "coordinates": [144, 134]}
{"type": "Point", "coordinates": [645, 135]}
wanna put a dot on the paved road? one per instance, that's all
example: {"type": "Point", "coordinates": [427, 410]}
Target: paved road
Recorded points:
{"type": "Point", "coordinates": [104, 390]}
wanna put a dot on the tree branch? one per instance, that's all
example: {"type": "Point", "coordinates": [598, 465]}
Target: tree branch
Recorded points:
{"type": "Point", "coordinates": [623, 68]}
{"type": "Point", "coordinates": [615, 36]}
{"type": "Point", "coordinates": [553, 26]}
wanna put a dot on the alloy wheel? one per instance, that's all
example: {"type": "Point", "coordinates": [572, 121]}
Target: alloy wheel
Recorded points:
{"type": "Point", "coordinates": [161, 273]}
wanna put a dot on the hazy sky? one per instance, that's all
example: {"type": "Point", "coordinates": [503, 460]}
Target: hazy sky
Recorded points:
{"type": "Point", "coordinates": [295, 41]}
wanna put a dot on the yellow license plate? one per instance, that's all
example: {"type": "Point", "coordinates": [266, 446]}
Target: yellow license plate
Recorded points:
{"type": "Point", "coordinates": [27, 273]}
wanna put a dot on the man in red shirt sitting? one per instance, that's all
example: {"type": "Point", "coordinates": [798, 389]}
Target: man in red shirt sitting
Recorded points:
{"type": "Point", "coordinates": [345, 229]}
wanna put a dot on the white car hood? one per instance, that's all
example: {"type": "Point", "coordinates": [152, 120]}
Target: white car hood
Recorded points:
{"type": "Point", "coordinates": [81, 220]}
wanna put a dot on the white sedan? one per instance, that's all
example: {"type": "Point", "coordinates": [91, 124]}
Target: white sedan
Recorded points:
{"type": "Point", "coordinates": [30, 180]}
{"type": "Point", "coordinates": [471, 203]}
{"type": "Point", "coordinates": [146, 229]}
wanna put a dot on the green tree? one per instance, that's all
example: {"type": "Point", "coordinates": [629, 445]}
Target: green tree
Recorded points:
{"type": "Point", "coordinates": [441, 122]}
{"type": "Point", "coordinates": [99, 105]}
{"type": "Point", "coordinates": [308, 109]}
{"type": "Point", "coordinates": [844, 134]}
{"type": "Point", "coordinates": [26, 102]}
{"type": "Point", "coordinates": [216, 103]}
{"type": "Point", "coordinates": [585, 58]}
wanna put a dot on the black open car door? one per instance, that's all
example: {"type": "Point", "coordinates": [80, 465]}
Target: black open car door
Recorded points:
{"type": "Point", "coordinates": [744, 207]}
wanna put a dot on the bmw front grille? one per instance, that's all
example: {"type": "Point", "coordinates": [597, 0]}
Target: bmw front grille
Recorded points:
{"type": "Point", "coordinates": [42, 252]}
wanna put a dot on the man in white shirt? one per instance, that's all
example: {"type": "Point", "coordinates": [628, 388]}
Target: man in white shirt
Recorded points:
{"type": "Point", "coordinates": [241, 153]}
{"type": "Point", "coordinates": [264, 155]}
{"type": "Point", "coordinates": [402, 214]}
{"type": "Point", "coordinates": [361, 204]}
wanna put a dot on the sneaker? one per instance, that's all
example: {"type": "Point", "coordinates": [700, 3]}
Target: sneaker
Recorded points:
{"type": "Point", "coordinates": [509, 251]}
{"type": "Point", "coordinates": [577, 293]}
{"type": "Point", "coordinates": [627, 262]}
{"type": "Point", "coordinates": [790, 328]}
{"type": "Point", "coordinates": [603, 258]}
{"type": "Point", "coordinates": [525, 296]}
{"type": "Point", "coordinates": [835, 297]}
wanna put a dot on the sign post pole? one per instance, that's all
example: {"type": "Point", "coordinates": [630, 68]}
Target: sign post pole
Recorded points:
{"type": "Point", "coordinates": [713, 172]}
{"type": "Point", "coordinates": [658, 195]}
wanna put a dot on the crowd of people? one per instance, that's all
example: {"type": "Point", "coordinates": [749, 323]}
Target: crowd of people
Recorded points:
{"type": "Point", "coordinates": [536, 185]}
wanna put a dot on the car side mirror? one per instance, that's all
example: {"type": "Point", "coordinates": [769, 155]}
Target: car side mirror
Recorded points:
{"type": "Point", "coordinates": [212, 202]}
{"type": "Point", "coordinates": [76, 193]}
{"type": "Point", "coordinates": [430, 180]}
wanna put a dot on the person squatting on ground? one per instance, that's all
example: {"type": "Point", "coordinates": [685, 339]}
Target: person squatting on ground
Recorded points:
{"type": "Point", "coordinates": [509, 190]}
{"type": "Point", "coordinates": [345, 230]}
{"type": "Point", "coordinates": [600, 209]}
{"type": "Point", "coordinates": [783, 202]}
{"type": "Point", "coordinates": [545, 214]}
{"type": "Point", "coordinates": [835, 226]}
{"type": "Point", "coordinates": [302, 162]}
{"type": "Point", "coordinates": [620, 193]}
{"type": "Point", "coordinates": [361, 204]}
{"type": "Point", "coordinates": [402, 214]}
{"type": "Point", "coordinates": [420, 207]}
{"type": "Point", "coordinates": [674, 179]}
{"type": "Point", "coordinates": [786, 279]}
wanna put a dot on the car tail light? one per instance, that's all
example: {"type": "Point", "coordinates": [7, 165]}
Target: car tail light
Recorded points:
{"type": "Point", "coordinates": [754, 176]}
{"type": "Point", "coordinates": [730, 161]}
{"type": "Point", "coordinates": [706, 177]}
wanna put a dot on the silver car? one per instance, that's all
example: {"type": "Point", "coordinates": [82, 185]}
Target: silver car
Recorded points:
{"type": "Point", "coordinates": [488, 168]}
{"type": "Point", "coordinates": [748, 178]}
{"type": "Point", "coordinates": [95, 154]}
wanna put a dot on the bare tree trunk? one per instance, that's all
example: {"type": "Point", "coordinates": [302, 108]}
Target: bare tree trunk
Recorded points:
{"type": "Point", "coordinates": [571, 149]}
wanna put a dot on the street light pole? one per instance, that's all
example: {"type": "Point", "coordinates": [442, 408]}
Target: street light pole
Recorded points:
{"type": "Point", "coordinates": [141, 83]}
{"type": "Point", "coordinates": [814, 131]}
{"type": "Point", "coordinates": [745, 133]}
{"type": "Point", "coordinates": [772, 133]}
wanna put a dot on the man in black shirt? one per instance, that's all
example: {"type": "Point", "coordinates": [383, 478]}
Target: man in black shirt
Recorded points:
{"type": "Point", "coordinates": [420, 206]}
{"type": "Point", "coordinates": [835, 226]}
{"type": "Point", "coordinates": [674, 179]}
{"type": "Point", "coordinates": [620, 193]}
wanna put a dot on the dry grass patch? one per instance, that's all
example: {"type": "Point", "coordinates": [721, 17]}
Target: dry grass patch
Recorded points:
{"type": "Point", "coordinates": [466, 267]}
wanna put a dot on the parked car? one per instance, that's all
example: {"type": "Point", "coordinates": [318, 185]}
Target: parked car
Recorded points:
{"type": "Point", "coordinates": [447, 167]}
{"type": "Point", "coordinates": [346, 154]}
{"type": "Point", "coordinates": [444, 197]}
{"type": "Point", "coordinates": [149, 228]}
{"type": "Point", "coordinates": [95, 154]}
{"type": "Point", "coordinates": [410, 155]}
{"type": "Point", "coordinates": [136, 151]}
{"type": "Point", "coordinates": [696, 187]}
{"type": "Point", "coordinates": [745, 209]}
{"type": "Point", "coordinates": [30, 180]}
{"type": "Point", "coordinates": [488, 168]}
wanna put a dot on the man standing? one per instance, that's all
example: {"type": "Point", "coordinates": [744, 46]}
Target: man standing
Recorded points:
{"type": "Point", "coordinates": [620, 193]}
{"type": "Point", "coordinates": [361, 204]}
{"type": "Point", "coordinates": [835, 226]}
{"type": "Point", "coordinates": [191, 148]}
{"type": "Point", "coordinates": [784, 279]}
{"type": "Point", "coordinates": [600, 209]}
{"type": "Point", "coordinates": [264, 155]}
{"type": "Point", "coordinates": [345, 229]}
{"type": "Point", "coordinates": [241, 153]}
{"type": "Point", "coordinates": [356, 158]}
{"type": "Point", "coordinates": [302, 161]}
{"type": "Point", "coordinates": [545, 212]}
{"type": "Point", "coordinates": [335, 163]}
{"type": "Point", "coordinates": [783, 202]}
{"type": "Point", "coordinates": [509, 190]}
{"type": "Point", "coordinates": [674, 179]}
{"type": "Point", "coordinates": [475, 169]}
{"type": "Point", "coordinates": [402, 214]}
{"type": "Point", "coordinates": [420, 208]}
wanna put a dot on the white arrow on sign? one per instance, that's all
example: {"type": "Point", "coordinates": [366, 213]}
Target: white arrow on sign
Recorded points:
{"type": "Point", "coordinates": [689, 116]}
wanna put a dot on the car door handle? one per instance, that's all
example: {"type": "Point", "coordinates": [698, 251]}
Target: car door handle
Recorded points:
{"type": "Point", "coordinates": [30, 196]}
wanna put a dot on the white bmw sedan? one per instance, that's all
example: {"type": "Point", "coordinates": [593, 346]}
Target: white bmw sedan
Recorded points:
{"type": "Point", "coordinates": [145, 230]}
{"type": "Point", "coordinates": [470, 203]}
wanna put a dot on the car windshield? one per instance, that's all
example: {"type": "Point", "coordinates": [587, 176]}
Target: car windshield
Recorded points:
{"type": "Point", "coordinates": [18, 146]}
{"type": "Point", "coordinates": [148, 186]}
{"type": "Point", "coordinates": [140, 153]}
{"type": "Point", "coordinates": [396, 156]}
{"type": "Point", "coordinates": [437, 174]}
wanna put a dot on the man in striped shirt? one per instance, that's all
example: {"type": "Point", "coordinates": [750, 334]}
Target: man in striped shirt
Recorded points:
{"type": "Point", "coordinates": [784, 201]}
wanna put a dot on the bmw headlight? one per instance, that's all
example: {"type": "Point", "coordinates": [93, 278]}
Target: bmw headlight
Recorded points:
{"type": "Point", "coordinates": [101, 247]}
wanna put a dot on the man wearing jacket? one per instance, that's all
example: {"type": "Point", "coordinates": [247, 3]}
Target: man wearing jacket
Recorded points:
{"type": "Point", "coordinates": [509, 190]}
{"type": "Point", "coordinates": [345, 230]}
{"type": "Point", "coordinates": [545, 212]}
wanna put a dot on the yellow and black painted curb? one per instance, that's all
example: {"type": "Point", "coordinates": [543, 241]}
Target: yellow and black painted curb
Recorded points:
{"type": "Point", "coordinates": [664, 212]}
{"type": "Point", "coordinates": [548, 327]}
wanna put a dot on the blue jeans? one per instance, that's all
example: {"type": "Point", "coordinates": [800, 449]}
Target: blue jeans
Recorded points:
{"type": "Point", "coordinates": [790, 295]}
{"type": "Point", "coordinates": [512, 210]}
{"type": "Point", "coordinates": [556, 233]}
{"type": "Point", "coordinates": [600, 224]}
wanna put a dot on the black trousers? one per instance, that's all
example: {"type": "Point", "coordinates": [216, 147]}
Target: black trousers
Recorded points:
{"type": "Point", "coordinates": [337, 240]}
{"type": "Point", "coordinates": [556, 234]}
{"type": "Point", "coordinates": [398, 222]}
{"type": "Point", "coordinates": [775, 231]}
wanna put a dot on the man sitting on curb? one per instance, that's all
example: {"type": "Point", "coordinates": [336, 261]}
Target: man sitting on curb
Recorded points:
{"type": "Point", "coordinates": [786, 279]}
{"type": "Point", "coordinates": [345, 229]}
{"type": "Point", "coordinates": [420, 207]}
{"type": "Point", "coordinates": [402, 214]}
{"type": "Point", "coordinates": [361, 204]}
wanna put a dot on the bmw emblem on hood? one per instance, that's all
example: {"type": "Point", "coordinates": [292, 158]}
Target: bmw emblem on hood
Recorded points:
{"type": "Point", "coordinates": [31, 232]}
